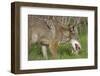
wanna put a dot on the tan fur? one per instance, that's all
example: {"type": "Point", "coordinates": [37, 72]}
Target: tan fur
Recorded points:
{"type": "Point", "coordinates": [53, 48]}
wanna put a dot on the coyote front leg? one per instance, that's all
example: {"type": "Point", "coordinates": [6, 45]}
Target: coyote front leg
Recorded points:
{"type": "Point", "coordinates": [44, 51]}
{"type": "Point", "coordinates": [53, 48]}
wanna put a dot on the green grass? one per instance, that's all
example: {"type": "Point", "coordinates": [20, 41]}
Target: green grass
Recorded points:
{"type": "Point", "coordinates": [64, 51]}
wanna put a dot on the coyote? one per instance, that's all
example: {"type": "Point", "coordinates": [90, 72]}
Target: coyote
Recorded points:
{"type": "Point", "coordinates": [50, 33]}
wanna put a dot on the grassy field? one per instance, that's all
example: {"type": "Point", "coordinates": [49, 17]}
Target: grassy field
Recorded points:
{"type": "Point", "coordinates": [64, 51]}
